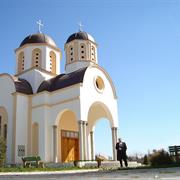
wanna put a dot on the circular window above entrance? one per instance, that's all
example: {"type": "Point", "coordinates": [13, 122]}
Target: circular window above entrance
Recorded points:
{"type": "Point", "coordinates": [99, 84]}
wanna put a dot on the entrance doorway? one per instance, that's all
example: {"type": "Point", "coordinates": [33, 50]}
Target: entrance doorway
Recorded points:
{"type": "Point", "coordinates": [69, 146]}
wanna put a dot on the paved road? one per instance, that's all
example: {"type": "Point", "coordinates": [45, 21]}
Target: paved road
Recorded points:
{"type": "Point", "coordinates": [143, 174]}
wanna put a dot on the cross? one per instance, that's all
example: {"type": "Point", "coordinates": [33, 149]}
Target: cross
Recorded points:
{"type": "Point", "coordinates": [40, 24]}
{"type": "Point", "coordinates": [80, 26]}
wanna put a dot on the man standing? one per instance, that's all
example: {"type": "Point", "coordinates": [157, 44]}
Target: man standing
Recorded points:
{"type": "Point", "coordinates": [121, 152]}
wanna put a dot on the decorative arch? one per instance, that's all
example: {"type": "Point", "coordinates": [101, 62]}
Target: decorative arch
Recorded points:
{"type": "Point", "coordinates": [67, 136]}
{"type": "Point", "coordinates": [36, 57]}
{"type": "Point", "coordinates": [20, 62]}
{"type": "Point", "coordinates": [97, 111]}
{"type": "Point", "coordinates": [35, 138]}
{"type": "Point", "coordinates": [3, 123]}
{"type": "Point", "coordinates": [52, 56]}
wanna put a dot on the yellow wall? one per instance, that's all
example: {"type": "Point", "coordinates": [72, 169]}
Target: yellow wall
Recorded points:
{"type": "Point", "coordinates": [53, 62]}
{"type": "Point", "coordinates": [36, 58]}
{"type": "Point", "coordinates": [66, 122]}
{"type": "Point", "coordinates": [20, 62]}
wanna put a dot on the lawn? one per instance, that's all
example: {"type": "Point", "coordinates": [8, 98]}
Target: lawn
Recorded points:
{"type": "Point", "coordinates": [33, 169]}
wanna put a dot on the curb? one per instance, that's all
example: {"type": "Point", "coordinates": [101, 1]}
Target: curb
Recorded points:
{"type": "Point", "coordinates": [47, 172]}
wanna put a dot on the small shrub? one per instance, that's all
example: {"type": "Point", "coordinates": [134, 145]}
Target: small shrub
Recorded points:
{"type": "Point", "coordinates": [145, 160]}
{"type": "Point", "coordinates": [100, 157]}
{"type": "Point", "coordinates": [2, 151]}
{"type": "Point", "coordinates": [160, 157]}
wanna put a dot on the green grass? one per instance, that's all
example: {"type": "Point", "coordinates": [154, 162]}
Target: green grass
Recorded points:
{"type": "Point", "coordinates": [33, 169]}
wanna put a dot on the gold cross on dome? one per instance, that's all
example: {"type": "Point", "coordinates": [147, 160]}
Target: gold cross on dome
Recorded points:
{"type": "Point", "coordinates": [80, 26]}
{"type": "Point", "coordinates": [40, 24]}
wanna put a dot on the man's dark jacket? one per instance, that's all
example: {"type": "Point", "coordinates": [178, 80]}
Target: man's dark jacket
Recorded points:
{"type": "Point", "coordinates": [121, 150]}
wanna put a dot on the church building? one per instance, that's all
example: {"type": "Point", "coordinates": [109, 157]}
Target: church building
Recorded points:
{"type": "Point", "coordinates": [52, 114]}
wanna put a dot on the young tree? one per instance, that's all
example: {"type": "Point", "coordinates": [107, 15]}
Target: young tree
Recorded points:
{"type": "Point", "coordinates": [160, 157]}
{"type": "Point", "coordinates": [2, 151]}
{"type": "Point", "coordinates": [145, 160]}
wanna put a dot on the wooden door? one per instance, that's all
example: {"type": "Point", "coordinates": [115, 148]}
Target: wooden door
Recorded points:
{"type": "Point", "coordinates": [69, 149]}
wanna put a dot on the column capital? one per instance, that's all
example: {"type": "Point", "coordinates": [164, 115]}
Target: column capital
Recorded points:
{"type": "Point", "coordinates": [54, 126]}
{"type": "Point", "coordinates": [114, 128]}
{"type": "Point", "coordinates": [80, 121]}
{"type": "Point", "coordinates": [83, 122]}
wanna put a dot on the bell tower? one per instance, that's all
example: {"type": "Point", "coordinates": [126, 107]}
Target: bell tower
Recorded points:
{"type": "Point", "coordinates": [38, 51]}
{"type": "Point", "coordinates": [37, 59]}
{"type": "Point", "coordinates": [81, 51]}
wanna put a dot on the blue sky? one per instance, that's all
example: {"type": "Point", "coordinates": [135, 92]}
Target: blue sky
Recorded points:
{"type": "Point", "coordinates": [139, 46]}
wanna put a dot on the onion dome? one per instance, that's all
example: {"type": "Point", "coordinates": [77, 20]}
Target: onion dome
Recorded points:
{"type": "Point", "coordinates": [38, 38]}
{"type": "Point", "coordinates": [81, 35]}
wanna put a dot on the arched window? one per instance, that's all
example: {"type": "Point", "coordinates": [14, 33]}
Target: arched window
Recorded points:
{"type": "Point", "coordinates": [71, 54]}
{"type": "Point", "coordinates": [82, 51]}
{"type": "Point", "coordinates": [20, 62]}
{"type": "Point", "coordinates": [52, 56]}
{"type": "Point", "coordinates": [36, 58]}
{"type": "Point", "coordinates": [5, 131]}
{"type": "Point", "coordinates": [93, 53]}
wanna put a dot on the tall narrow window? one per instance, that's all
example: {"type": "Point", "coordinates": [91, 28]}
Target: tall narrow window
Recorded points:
{"type": "Point", "coordinates": [20, 62]}
{"type": "Point", "coordinates": [36, 58]}
{"type": "Point", "coordinates": [71, 54]}
{"type": "Point", "coordinates": [52, 57]}
{"type": "Point", "coordinates": [83, 51]}
{"type": "Point", "coordinates": [93, 53]}
{"type": "Point", "coordinates": [5, 131]}
{"type": "Point", "coordinates": [0, 125]}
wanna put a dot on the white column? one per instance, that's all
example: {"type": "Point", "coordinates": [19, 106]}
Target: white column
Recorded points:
{"type": "Point", "coordinates": [114, 141]}
{"type": "Point", "coordinates": [81, 141]}
{"type": "Point", "coordinates": [92, 144]}
{"type": "Point", "coordinates": [55, 144]}
{"type": "Point", "coordinates": [85, 139]}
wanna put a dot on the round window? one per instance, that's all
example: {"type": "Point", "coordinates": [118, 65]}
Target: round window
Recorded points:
{"type": "Point", "coordinates": [99, 83]}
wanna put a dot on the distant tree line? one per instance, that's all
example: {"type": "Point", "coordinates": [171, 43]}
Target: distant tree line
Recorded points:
{"type": "Point", "coordinates": [156, 158]}
{"type": "Point", "coordinates": [159, 158]}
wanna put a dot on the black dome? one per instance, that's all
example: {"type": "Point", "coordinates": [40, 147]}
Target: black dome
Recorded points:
{"type": "Point", "coordinates": [38, 38]}
{"type": "Point", "coordinates": [80, 35]}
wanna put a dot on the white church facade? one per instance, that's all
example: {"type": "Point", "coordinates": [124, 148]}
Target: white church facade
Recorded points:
{"type": "Point", "coordinates": [52, 114]}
